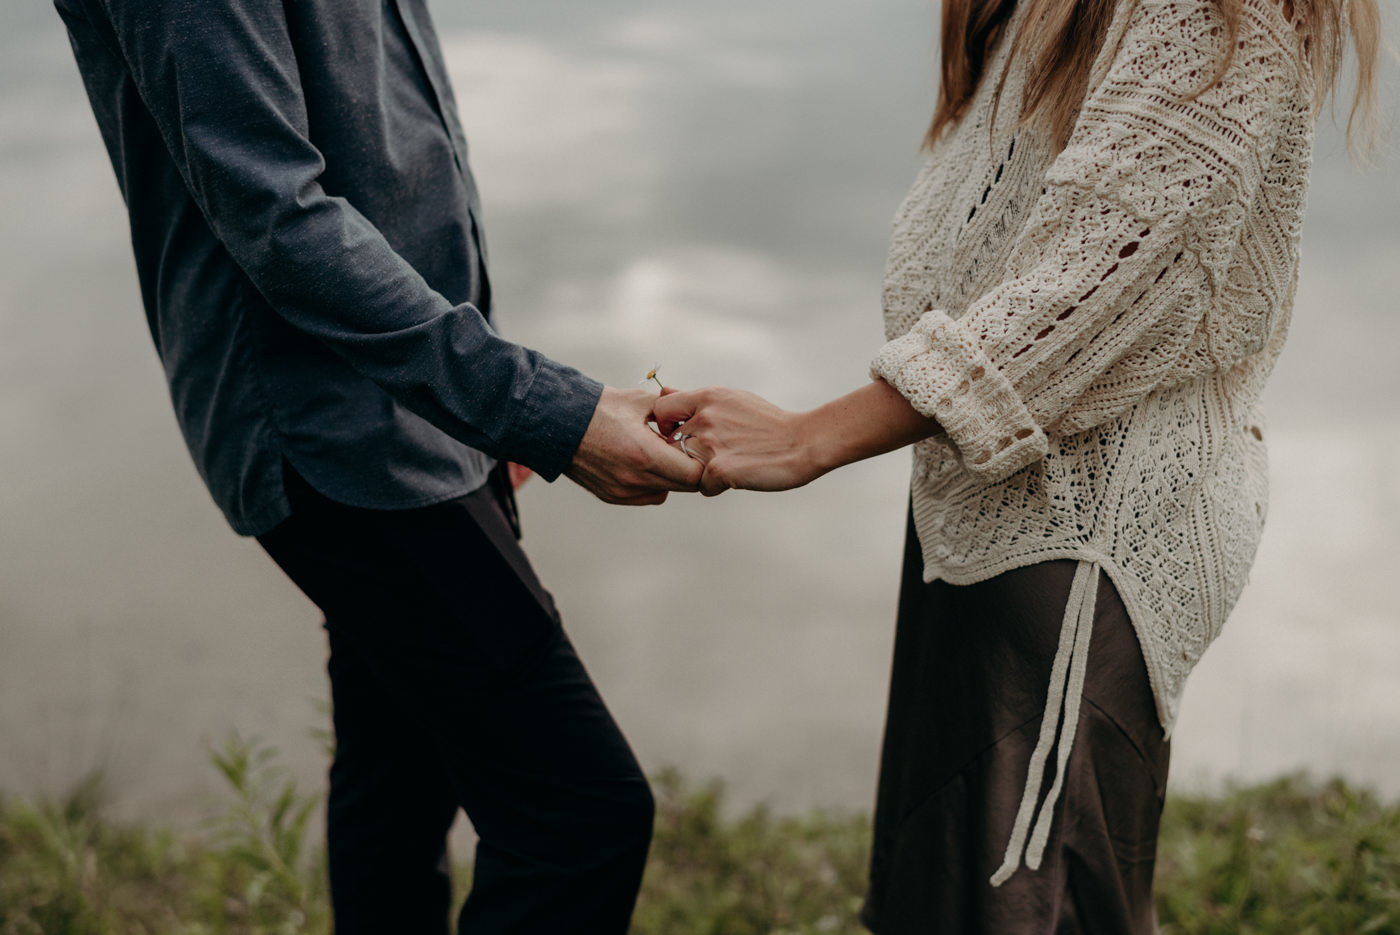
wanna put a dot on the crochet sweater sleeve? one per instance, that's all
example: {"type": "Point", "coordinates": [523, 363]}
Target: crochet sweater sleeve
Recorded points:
{"type": "Point", "coordinates": [1109, 286]}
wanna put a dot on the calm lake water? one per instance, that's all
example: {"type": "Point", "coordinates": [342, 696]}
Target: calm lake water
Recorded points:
{"type": "Point", "coordinates": [707, 187]}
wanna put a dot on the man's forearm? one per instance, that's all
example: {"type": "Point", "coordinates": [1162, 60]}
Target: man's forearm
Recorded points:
{"type": "Point", "coordinates": [221, 85]}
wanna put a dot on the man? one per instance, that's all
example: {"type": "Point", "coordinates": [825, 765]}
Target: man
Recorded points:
{"type": "Point", "coordinates": [307, 240]}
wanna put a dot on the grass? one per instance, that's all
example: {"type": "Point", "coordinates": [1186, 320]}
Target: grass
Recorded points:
{"type": "Point", "coordinates": [67, 870]}
{"type": "Point", "coordinates": [1291, 856]}
{"type": "Point", "coordinates": [1288, 857]}
{"type": "Point", "coordinates": [758, 874]}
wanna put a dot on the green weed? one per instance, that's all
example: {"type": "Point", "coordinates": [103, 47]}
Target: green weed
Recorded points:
{"type": "Point", "coordinates": [268, 880]}
{"type": "Point", "coordinates": [758, 874]}
{"type": "Point", "coordinates": [1290, 857]}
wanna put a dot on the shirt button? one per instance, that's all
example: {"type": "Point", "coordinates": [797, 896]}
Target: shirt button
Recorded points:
{"type": "Point", "coordinates": [938, 521]}
{"type": "Point", "coordinates": [941, 551]}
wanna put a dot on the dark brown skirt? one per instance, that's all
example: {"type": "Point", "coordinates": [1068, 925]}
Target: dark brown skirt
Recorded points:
{"type": "Point", "coordinates": [967, 696]}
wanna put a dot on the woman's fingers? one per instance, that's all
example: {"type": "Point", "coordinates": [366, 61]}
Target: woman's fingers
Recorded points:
{"type": "Point", "coordinates": [692, 446]}
{"type": "Point", "coordinates": [740, 439]}
{"type": "Point", "coordinates": [674, 406]}
{"type": "Point", "coordinates": [712, 482]}
{"type": "Point", "coordinates": [668, 413]}
{"type": "Point", "coordinates": [678, 419]}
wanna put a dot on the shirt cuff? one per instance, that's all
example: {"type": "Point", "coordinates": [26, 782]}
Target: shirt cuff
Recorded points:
{"type": "Point", "coordinates": [945, 376]}
{"type": "Point", "coordinates": [552, 419]}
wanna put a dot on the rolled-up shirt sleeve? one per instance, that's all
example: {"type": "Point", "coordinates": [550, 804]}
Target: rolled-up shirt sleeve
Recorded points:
{"type": "Point", "coordinates": [221, 82]}
{"type": "Point", "coordinates": [1111, 278]}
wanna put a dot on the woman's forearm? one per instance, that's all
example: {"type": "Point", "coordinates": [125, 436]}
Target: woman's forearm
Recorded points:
{"type": "Point", "coordinates": [864, 423]}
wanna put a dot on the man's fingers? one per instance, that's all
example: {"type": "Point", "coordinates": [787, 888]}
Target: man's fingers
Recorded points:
{"type": "Point", "coordinates": [672, 467]}
{"type": "Point", "coordinates": [712, 484]}
{"type": "Point", "coordinates": [648, 499]}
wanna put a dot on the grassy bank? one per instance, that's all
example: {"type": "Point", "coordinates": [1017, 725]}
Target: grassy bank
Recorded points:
{"type": "Point", "coordinates": [1290, 856]}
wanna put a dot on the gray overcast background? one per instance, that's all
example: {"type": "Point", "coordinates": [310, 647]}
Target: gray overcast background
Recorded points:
{"type": "Point", "coordinates": [707, 187]}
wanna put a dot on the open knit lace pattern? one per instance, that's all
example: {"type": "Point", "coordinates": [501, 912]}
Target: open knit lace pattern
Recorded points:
{"type": "Point", "coordinates": [1093, 328]}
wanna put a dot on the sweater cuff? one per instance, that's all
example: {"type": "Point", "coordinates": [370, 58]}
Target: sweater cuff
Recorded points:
{"type": "Point", "coordinates": [552, 419]}
{"type": "Point", "coordinates": [946, 376]}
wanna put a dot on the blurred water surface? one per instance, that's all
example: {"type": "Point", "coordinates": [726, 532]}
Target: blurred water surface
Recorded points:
{"type": "Point", "coordinates": [704, 187]}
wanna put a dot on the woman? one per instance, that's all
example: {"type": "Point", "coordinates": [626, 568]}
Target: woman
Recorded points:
{"type": "Point", "coordinates": [1086, 290]}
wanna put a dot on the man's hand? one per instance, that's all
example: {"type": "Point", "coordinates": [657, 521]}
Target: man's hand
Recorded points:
{"type": "Point", "coordinates": [622, 460]}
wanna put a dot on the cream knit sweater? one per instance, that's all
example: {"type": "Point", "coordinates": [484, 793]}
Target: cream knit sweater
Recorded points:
{"type": "Point", "coordinates": [1092, 329]}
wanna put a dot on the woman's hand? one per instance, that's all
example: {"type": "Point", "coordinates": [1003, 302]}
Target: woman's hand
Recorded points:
{"type": "Point", "coordinates": [744, 441]}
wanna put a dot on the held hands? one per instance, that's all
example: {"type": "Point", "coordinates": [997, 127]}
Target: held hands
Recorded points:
{"type": "Point", "coordinates": [745, 441]}
{"type": "Point", "coordinates": [716, 439]}
{"type": "Point", "coordinates": [742, 440]}
{"type": "Point", "coordinates": [731, 438]}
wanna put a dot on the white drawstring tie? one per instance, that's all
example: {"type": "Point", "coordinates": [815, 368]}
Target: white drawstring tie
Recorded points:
{"type": "Point", "coordinates": [1066, 691]}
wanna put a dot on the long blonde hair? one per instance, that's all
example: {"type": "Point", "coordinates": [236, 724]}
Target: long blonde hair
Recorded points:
{"type": "Point", "coordinates": [1067, 35]}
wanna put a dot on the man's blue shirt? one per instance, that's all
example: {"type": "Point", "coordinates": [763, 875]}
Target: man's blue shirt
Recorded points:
{"type": "Point", "coordinates": [307, 238]}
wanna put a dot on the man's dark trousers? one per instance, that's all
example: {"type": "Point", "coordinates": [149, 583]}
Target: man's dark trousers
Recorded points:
{"type": "Point", "coordinates": [454, 685]}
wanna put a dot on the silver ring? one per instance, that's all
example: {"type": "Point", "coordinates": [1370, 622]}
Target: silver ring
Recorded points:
{"type": "Point", "coordinates": [681, 437]}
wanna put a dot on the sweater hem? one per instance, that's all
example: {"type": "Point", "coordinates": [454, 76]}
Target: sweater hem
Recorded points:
{"type": "Point", "coordinates": [1167, 706]}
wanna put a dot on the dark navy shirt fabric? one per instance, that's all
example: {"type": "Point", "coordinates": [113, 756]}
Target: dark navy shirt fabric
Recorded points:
{"type": "Point", "coordinates": [307, 238]}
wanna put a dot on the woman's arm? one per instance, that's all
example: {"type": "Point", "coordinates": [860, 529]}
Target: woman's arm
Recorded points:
{"type": "Point", "coordinates": [748, 443]}
{"type": "Point", "coordinates": [1145, 244]}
